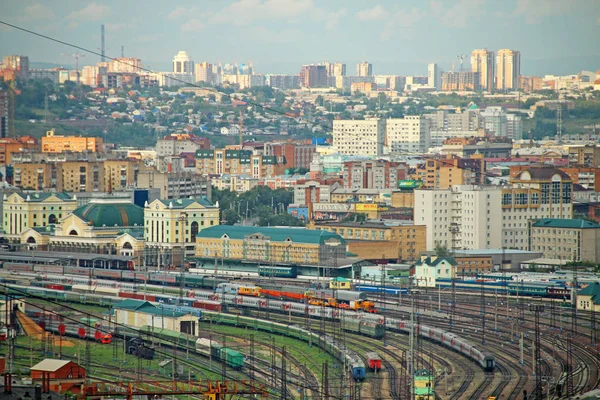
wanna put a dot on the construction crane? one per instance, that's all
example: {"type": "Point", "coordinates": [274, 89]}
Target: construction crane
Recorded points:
{"type": "Point", "coordinates": [157, 389]}
{"type": "Point", "coordinates": [75, 55]}
{"type": "Point", "coordinates": [461, 57]}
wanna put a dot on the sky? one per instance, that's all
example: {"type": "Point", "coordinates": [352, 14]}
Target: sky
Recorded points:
{"type": "Point", "coordinates": [278, 36]}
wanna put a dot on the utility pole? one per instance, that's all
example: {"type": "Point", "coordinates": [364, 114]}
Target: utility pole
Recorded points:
{"type": "Point", "coordinates": [537, 309]}
{"type": "Point", "coordinates": [454, 231]}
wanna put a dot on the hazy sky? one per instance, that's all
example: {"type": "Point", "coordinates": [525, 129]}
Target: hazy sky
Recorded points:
{"type": "Point", "coordinates": [397, 36]}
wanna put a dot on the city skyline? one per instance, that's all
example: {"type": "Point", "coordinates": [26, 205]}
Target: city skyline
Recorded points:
{"type": "Point", "coordinates": [280, 36]}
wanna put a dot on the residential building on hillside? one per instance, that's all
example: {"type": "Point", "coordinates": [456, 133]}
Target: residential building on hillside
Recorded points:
{"type": "Point", "coordinates": [175, 185]}
{"type": "Point", "coordinates": [360, 137]}
{"type": "Point", "coordinates": [488, 147]}
{"type": "Point", "coordinates": [312, 191]}
{"type": "Point", "coordinates": [566, 239]}
{"type": "Point", "coordinates": [444, 125]}
{"type": "Point", "coordinates": [171, 225]}
{"type": "Point", "coordinates": [288, 245]}
{"type": "Point", "coordinates": [460, 81]}
{"type": "Point", "coordinates": [293, 155]}
{"type": "Point", "coordinates": [10, 146]}
{"type": "Point", "coordinates": [410, 134]}
{"type": "Point", "coordinates": [52, 143]}
{"type": "Point", "coordinates": [78, 176]}
{"type": "Point", "coordinates": [241, 162]}
{"type": "Point", "coordinates": [441, 173]}
{"type": "Point", "coordinates": [373, 174]}
{"type": "Point", "coordinates": [176, 144]}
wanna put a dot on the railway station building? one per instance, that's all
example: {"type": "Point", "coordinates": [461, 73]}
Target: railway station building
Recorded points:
{"type": "Point", "coordinates": [254, 243]}
{"type": "Point", "coordinates": [588, 298]}
{"type": "Point", "coordinates": [103, 226]}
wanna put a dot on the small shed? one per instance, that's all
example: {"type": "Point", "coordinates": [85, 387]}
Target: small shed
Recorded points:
{"type": "Point", "coordinates": [60, 375]}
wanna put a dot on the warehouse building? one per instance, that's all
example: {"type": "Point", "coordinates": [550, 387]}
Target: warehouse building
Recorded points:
{"type": "Point", "coordinates": [137, 313]}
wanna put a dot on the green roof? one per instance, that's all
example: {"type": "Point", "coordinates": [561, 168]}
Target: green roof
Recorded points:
{"type": "Point", "coordinates": [565, 223]}
{"type": "Point", "coordinates": [132, 304]}
{"type": "Point", "coordinates": [432, 263]}
{"type": "Point", "coordinates": [183, 203]}
{"type": "Point", "coordinates": [41, 196]}
{"type": "Point", "coordinates": [593, 290]}
{"type": "Point", "coordinates": [298, 235]}
{"type": "Point", "coordinates": [45, 230]}
{"type": "Point", "coordinates": [100, 213]}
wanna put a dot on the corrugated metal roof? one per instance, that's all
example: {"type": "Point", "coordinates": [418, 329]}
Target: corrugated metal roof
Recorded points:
{"type": "Point", "coordinates": [565, 223]}
{"type": "Point", "coordinates": [50, 365]}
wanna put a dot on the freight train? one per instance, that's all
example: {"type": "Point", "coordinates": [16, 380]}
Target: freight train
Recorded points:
{"type": "Point", "coordinates": [206, 347]}
{"type": "Point", "coordinates": [354, 363]}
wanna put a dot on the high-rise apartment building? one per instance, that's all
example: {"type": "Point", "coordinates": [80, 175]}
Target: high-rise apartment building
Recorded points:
{"type": "Point", "coordinates": [460, 81]}
{"type": "Point", "coordinates": [204, 72]}
{"type": "Point", "coordinates": [434, 76]}
{"type": "Point", "coordinates": [125, 64]}
{"type": "Point", "coordinates": [18, 64]}
{"type": "Point", "coordinates": [359, 137]}
{"type": "Point", "coordinates": [237, 162]}
{"type": "Point", "coordinates": [335, 68]}
{"type": "Point", "coordinates": [282, 81]}
{"type": "Point", "coordinates": [508, 69]}
{"type": "Point", "coordinates": [373, 174]}
{"type": "Point", "coordinates": [313, 75]}
{"type": "Point", "coordinates": [482, 61]}
{"type": "Point", "coordinates": [409, 134]}
{"type": "Point", "coordinates": [52, 143]}
{"type": "Point", "coordinates": [183, 64]}
{"type": "Point", "coordinates": [364, 68]}
{"type": "Point", "coordinates": [492, 217]}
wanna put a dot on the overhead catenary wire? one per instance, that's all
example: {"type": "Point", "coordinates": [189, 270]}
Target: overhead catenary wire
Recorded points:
{"type": "Point", "coordinates": [211, 89]}
{"type": "Point", "coordinates": [7, 287]}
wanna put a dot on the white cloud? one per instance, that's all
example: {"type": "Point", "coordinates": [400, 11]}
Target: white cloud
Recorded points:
{"type": "Point", "coordinates": [181, 12]}
{"type": "Point", "coordinates": [372, 14]}
{"type": "Point", "coordinates": [193, 25]}
{"type": "Point", "coordinates": [401, 18]}
{"type": "Point", "coordinates": [37, 11]}
{"type": "Point", "coordinates": [460, 14]}
{"type": "Point", "coordinates": [244, 12]}
{"type": "Point", "coordinates": [331, 19]}
{"type": "Point", "coordinates": [534, 11]}
{"type": "Point", "coordinates": [92, 12]}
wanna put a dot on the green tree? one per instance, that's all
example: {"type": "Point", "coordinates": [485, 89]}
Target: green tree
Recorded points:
{"type": "Point", "coordinates": [441, 251]}
{"type": "Point", "coordinates": [229, 217]}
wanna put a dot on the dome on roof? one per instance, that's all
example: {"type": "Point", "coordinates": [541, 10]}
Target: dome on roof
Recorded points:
{"type": "Point", "coordinates": [111, 212]}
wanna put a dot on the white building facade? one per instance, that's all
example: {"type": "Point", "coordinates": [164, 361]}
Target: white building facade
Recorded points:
{"type": "Point", "coordinates": [359, 137]}
{"type": "Point", "coordinates": [410, 134]}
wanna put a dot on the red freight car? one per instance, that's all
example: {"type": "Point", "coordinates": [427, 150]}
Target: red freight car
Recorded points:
{"type": "Point", "coordinates": [208, 305]}
{"type": "Point", "coordinates": [374, 361]}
